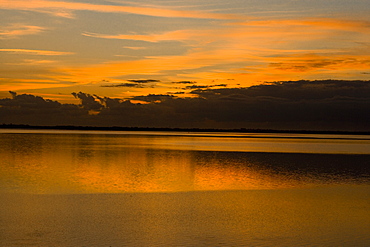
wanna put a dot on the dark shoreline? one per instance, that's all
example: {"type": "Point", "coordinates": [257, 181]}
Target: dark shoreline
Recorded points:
{"type": "Point", "coordinates": [241, 130]}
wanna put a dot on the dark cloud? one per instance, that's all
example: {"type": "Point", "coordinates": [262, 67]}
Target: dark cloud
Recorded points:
{"type": "Point", "coordinates": [314, 64]}
{"type": "Point", "coordinates": [144, 81]}
{"type": "Point", "coordinates": [176, 92]}
{"type": "Point", "coordinates": [153, 98]}
{"type": "Point", "coordinates": [219, 85]}
{"type": "Point", "coordinates": [133, 83]}
{"type": "Point", "coordinates": [184, 82]}
{"type": "Point", "coordinates": [137, 85]}
{"type": "Point", "coordinates": [205, 86]}
{"type": "Point", "coordinates": [294, 90]}
{"type": "Point", "coordinates": [88, 101]}
{"type": "Point", "coordinates": [314, 105]}
{"type": "Point", "coordinates": [196, 86]}
{"type": "Point", "coordinates": [14, 94]}
{"type": "Point", "coordinates": [30, 109]}
{"type": "Point", "coordinates": [323, 104]}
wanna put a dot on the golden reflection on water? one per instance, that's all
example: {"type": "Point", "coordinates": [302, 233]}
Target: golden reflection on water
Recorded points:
{"type": "Point", "coordinates": [85, 163]}
{"type": "Point", "coordinates": [74, 170]}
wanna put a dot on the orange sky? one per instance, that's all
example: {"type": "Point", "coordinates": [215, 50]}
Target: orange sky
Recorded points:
{"type": "Point", "coordinates": [54, 48]}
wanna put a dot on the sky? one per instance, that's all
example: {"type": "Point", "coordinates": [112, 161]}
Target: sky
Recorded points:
{"type": "Point", "coordinates": [175, 48]}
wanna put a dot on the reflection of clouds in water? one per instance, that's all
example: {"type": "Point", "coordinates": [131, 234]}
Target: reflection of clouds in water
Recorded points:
{"type": "Point", "coordinates": [238, 170]}
{"type": "Point", "coordinates": [317, 168]}
{"type": "Point", "coordinates": [114, 164]}
{"type": "Point", "coordinates": [136, 170]}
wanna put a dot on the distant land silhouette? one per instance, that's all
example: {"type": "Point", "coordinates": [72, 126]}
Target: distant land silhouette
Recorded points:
{"type": "Point", "coordinates": [117, 128]}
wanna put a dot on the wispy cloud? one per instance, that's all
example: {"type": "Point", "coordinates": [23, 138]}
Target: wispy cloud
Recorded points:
{"type": "Point", "coordinates": [33, 62]}
{"type": "Point", "coordinates": [16, 30]}
{"type": "Point", "coordinates": [259, 36]}
{"type": "Point", "coordinates": [18, 85]}
{"type": "Point", "coordinates": [225, 64]}
{"type": "Point", "coordinates": [312, 62]}
{"type": "Point", "coordinates": [36, 52]}
{"type": "Point", "coordinates": [134, 47]}
{"type": "Point", "coordinates": [173, 35]}
{"type": "Point", "coordinates": [57, 6]}
{"type": "Point", "coordinates": [248, 52]}
{"type": "Point", "coordinates": [318, 23]}
{"type": "Point", "coordinates": [184, 82]}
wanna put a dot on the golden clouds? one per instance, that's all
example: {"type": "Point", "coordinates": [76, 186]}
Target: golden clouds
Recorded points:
{"type": "Point", "coordinates": [207, 47]}
{"type": "Point", "coordinates": [174, 35]}
{"type": "Point", "coordinates": [59, 8]}
{"type": "Point", "coordinates": [22, 84]}
{"type": "Point", "coordinates": [16, 30]}
{"type": "Point", "coordinates": [252, 51]}
{"type": "Point", "coordinates": [36, 52]}
{"type": "Point", "coordinates": [310, 62]}
{"type": "Point", "coordinates": [310, 22]}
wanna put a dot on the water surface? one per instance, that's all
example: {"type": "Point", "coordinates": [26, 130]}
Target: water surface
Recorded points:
{"type": "Point", "coordinates": [87, 188]}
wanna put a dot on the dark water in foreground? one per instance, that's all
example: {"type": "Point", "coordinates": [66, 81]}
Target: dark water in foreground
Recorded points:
{"type": "Point", "coordinates": [79, 188]}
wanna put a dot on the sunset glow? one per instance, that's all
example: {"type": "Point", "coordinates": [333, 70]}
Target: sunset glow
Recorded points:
{"type": "Point", "coordinates": [184, 123]}
{"type": "Point", "coordinates": [58, 47]}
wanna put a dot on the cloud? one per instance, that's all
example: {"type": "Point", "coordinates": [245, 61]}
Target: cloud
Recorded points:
{"type": "Point", "coordinates": [61, 8]}
{"type": "Point", "coordinates": [16, 30]}
{"type": "Point", "coordinates": [321, 23]}
{"type": "Point", "coordinates": [109, 103]}
{"type": "Point", "coordinates": [257, 50]}
{"type": "Point", "coordinates": [196, 86]}
{"type": "Point", "coordinates": [311, 62]}
{"type": "Point", "coordinates": [134, 83]}
{"type": "Point", "coordinates": [315, 105]}
{"type": "Point", "coordinates": [132, 47]}
{"type": "Point", "coordinates": [204, 86]}
{"type": "Point", "coordinates": [294, 90]}
{"type": "Point", "coordinates": [254, 50]}
{"type": "Point", "coordinates": [173, 35]}
{"type": "Point", "coordinates": [137, 85]}
{"type": "Point", "coordinates": [33, 62]}
{"type": "Point", "coordinates": [35, 110]}
{"type": "Point", "coordinates": [143, 81]}
{"type": "Point", "coordinates": [157, 98]}
{"type": "Point", "coordinates": [184, 82]}
{"type": "Point", "coordinates": [36, 52]}
{"type": "Point", "coordinates": [30, 84]}
{"type": "Point", "coordinates": [88, 101]}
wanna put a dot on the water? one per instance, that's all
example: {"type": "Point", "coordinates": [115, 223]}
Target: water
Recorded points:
{"type": "Point", "coordinates": [90, 188]}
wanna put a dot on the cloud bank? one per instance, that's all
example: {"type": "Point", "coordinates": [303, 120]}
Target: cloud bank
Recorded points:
{"type": "Point", "coordinates": [312, 105]}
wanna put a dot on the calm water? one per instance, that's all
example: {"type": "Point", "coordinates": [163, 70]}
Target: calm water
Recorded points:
{"type": "Point", "coordinates": [89, 188]}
